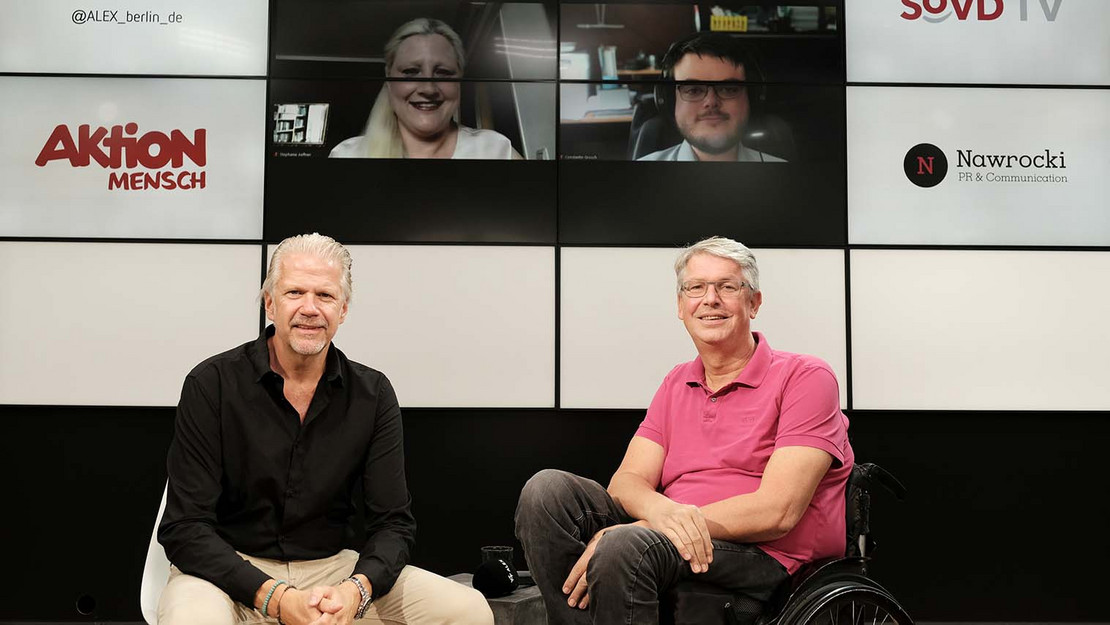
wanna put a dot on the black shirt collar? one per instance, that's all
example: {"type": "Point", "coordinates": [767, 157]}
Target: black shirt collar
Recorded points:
{"type": "Point", "coordinates": [259, 353]}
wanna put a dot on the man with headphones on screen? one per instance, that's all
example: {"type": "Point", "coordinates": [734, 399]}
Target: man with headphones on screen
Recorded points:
{"type": "Point", "coordinates": [705, 75]}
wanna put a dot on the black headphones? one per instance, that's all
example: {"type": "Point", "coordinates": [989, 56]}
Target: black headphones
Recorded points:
{"type": "Point", "coordinates": [664, 90]}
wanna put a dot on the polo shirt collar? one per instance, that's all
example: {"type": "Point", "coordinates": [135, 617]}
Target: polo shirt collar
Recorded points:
{"type": "Point", "coordinates": [259, 353]}
{"type": "Point", "coordinates": [686, 152]}
{"type": "Point", "coordinates": [753, 373]}
{"type": "Point", "coordinates": [756, 369]}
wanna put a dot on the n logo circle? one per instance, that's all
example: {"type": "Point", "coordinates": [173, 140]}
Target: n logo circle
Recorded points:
{"type": "Point", "coordinates": [925, 165]}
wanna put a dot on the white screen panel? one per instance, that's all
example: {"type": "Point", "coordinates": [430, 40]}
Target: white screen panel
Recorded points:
{"type": "Point", "coordinates": [620, 333]}
{"type": "Point", "coordinates": [456, 326]}
{"type": "Point", "coordinates": [131, 157]}
{"type": "Point", "coordinates": [119, 324]}
{"type": "Point", "coordinates": [1050, 42]}
{"type": "Point", "coordinates": [980, 330]}
{"type": "Point", "coordinates": [1010, 166]}
{"type": "Point", "coordinates": [199, 37]}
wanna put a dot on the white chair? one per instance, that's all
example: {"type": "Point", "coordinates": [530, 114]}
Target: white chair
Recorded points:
{"type": "Point", "coordinates": [156, 572]}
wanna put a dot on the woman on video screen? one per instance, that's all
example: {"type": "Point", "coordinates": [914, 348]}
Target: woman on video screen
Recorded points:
{"type": "Point", "coordinates": [419, 118]}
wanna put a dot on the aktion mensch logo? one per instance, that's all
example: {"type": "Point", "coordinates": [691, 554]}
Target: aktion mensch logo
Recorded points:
{"type": "Point", "coordinates": [145, 157]}
{"type": "Point", "coordinates": [925, 165]}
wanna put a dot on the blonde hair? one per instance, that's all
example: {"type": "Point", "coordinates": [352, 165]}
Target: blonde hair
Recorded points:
{"type": "Point", "coordinates": [383, 135]}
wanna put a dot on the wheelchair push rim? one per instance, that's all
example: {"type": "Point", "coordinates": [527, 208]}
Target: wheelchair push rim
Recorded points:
{"type": "Point", "coordinates": [849, 604]}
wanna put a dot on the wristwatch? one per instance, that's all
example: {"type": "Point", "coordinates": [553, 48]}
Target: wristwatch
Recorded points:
{"type": "Point", "coordinates": [366, 598]}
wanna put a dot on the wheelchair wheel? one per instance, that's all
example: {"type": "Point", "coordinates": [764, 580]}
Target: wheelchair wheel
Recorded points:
{"type": "Point", "coordinates": [848, 603]}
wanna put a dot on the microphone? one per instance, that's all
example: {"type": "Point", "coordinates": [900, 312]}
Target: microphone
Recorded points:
{"type": "Point", "coordinates": [495, 578]}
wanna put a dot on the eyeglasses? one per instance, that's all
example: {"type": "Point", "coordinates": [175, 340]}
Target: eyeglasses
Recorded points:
{"type": "Point", "coordinates": [697, 92]}
{"type": "Point", "coordinates": [725, 288]}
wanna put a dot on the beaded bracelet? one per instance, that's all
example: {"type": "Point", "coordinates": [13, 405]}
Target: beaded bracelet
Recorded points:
{"type": "Point", "coordinates": [269, 595]}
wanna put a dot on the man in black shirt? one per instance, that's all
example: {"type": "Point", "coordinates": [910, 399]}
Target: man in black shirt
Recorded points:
{"type": "Point", "coordinates": [271, 442]}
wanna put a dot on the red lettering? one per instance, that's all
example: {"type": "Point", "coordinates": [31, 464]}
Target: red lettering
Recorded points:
{"type": "Point", "coordinates": [150, 139]}
{"type": "Point", "coordinates": [963, 11]}
{"type": "Point", "coordinates": [115, 142]}
{"type": "Point", "coordinates": [915, 8]}
{"type": "Point", "coordinates": [914, 11]}
{"type": "Point", "coordinates": [128, 144]}
{"type": "Point", "coordinates": [88, 146]}
{"type": "Point", "coordinates": [117, 181]}
{"type": "Point", "coordinates": [923, 164]}
{"type": "Point", "coordinates": [983, 15]}
{"type": "Point", "coordinates": [58, 146]}
{"type": "Point", "coordinates": [194, 149]}
{"type": "Point", "coordinates": [942, 6]}
{"type": "Point", "coordinates": [165, 179]}
{"type": "Point", "coordinates": [118, 147]}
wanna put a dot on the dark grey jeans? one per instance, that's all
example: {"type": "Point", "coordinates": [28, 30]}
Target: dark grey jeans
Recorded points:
{"type": "Point", "coordinates": [557, 515]}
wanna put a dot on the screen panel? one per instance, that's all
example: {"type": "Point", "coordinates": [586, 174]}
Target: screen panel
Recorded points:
{"type": "Point", "coordinates": [412, 201]}
{"type": "Point", "coordinates": [679, 84]}
{"type": "Point", "coordinates": [754, 123]}
{"type": "Point", "coordinates": [456, 326]}
{"type": "Point", "coordinates": [979, 330]}
{"type": "Point", "coordinates": [620, 333]}
{"type": "Point", "coordinates": [784, 42]}
{"type": "Point", "coordinates": [119, 324]}
{"type": "Point", "coordinates": [1023, 42]}
{"type": "Point", "coordinates": [797, 202]}
{"type": "Point", "coordinates": [329, 182]}
{"type": "Point", "coordinates": [198, 38]}
{"type": "Point", "coordinates": [131, 157]}
{"type": "Point", "coordinates": [347, 38]}
{"type": "Point", "coordinates": [978, 166]}
{"type": "Point", "coordinates": [334, 118]}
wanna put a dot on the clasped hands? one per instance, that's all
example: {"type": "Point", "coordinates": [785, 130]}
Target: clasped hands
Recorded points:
{"type": "Point", "coordinates": [684, 525]}
{"type": "Point", "coordinates": [321, 605]}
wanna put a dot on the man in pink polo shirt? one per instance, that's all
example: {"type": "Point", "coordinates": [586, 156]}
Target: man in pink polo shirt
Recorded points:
{"type": "Point", "coordinates": [735, 477]}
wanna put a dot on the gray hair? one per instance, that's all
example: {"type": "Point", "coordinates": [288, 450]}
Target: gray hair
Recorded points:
{"type": "Point", "coordinates": [318, 245]}
{"type": "Point", "coordinates": [720, 247]}
{"type": "Point", "coordinates": [383, 136]}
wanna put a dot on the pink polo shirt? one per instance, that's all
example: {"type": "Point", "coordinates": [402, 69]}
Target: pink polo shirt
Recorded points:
{"type": "Point", "coordinates": [717, 444]}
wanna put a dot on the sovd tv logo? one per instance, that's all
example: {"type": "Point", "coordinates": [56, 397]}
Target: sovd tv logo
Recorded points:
{"type": "Point", "coordinates": [936, 11]}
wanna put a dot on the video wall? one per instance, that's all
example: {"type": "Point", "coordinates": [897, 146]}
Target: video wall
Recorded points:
{"type": "Point", "coordinates": [515, 176]}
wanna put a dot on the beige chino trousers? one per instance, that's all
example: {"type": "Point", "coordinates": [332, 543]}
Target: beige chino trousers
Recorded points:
{"type": "Point", "coordinates": [419, 597]}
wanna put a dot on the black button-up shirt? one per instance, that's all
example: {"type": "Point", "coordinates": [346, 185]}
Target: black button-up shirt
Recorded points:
{"type": "Point", "coordinates": [246, 475]}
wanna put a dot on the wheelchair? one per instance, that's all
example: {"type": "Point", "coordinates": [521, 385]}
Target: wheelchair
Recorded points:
{"type": "Point", "coordinates": [834, 591]}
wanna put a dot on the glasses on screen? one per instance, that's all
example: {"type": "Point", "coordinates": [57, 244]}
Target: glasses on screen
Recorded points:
{"type": "Point", "coordinates": [697, 92]}
{"type": "Point", "coordinates": [725, 288]}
